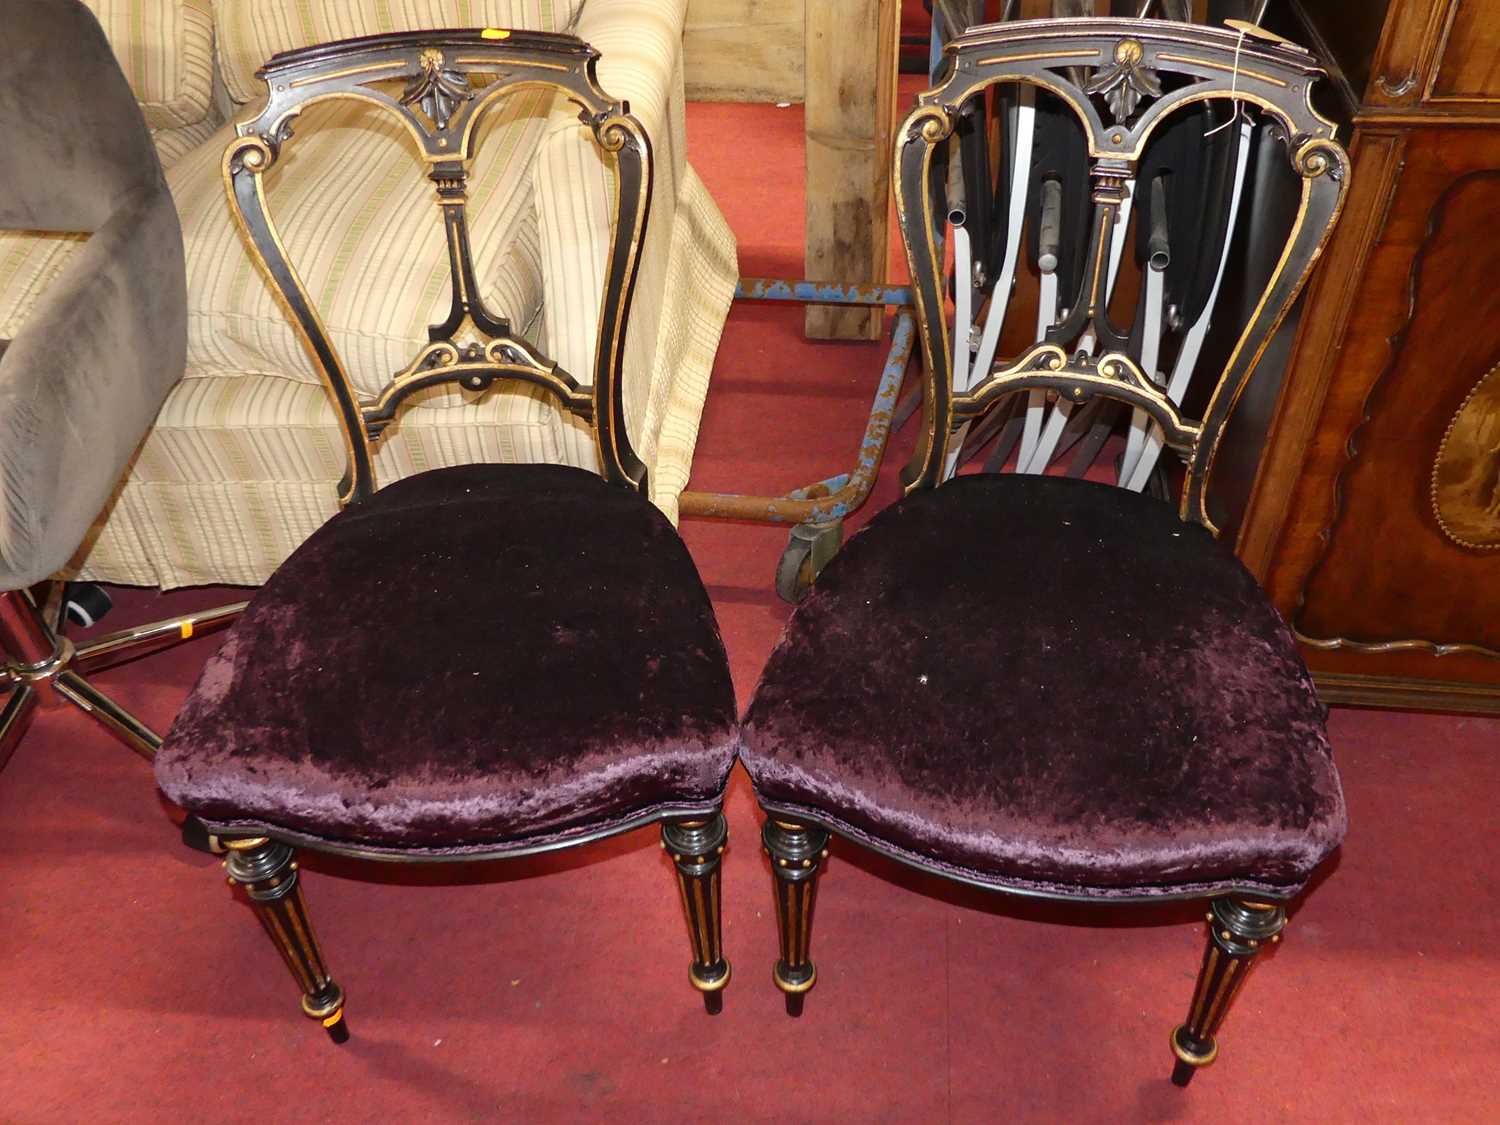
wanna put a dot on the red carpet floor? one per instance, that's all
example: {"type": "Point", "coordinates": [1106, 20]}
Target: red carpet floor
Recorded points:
{"type": "Point", "coordinates": [133, 987]}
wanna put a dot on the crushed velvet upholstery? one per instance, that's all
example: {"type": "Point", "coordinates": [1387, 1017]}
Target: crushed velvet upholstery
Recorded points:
{"type": "Point", "coordinates": [478, 658]}
{"type": "Point", "coordinates": [1053, 685]}
{"type": "Point", "coordinates": [96, 355]}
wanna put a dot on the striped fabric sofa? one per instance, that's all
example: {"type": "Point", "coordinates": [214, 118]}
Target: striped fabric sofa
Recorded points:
{"type": "Point", "coordinates": [244, 458]}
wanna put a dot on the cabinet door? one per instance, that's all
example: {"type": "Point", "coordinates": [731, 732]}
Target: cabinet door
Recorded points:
{"type": "Point", "coordinates": [1389, 564]}
{"type": "Point", "coordinates": [1433, 54]}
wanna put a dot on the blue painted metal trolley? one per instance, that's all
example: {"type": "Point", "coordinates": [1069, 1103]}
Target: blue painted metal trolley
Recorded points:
{"type": "Point", "coordinates": [817, 511]}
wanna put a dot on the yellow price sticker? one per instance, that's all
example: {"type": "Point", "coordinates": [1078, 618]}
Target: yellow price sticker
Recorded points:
{"type": "Point", "coordinates": [494, 33]}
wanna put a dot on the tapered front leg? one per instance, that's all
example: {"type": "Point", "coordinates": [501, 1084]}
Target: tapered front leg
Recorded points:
{"type": "Point", "coordinates": [797, 853]}
{"type": "Point", "coordinates": [269, 875]}
{"type": "Point", "coordinates": [1238, 932]}
{"type": "Point", "coordinates": [697, 847]}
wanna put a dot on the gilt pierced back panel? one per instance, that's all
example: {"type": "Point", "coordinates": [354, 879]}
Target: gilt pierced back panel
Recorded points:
{"type": "Point", "coordinates": [1126, 139]}
{"type": "Point", "coordinates": [440, 87]}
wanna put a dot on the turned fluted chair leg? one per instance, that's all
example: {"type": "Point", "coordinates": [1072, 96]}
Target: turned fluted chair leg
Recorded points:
{"type": "Point", "coordinates": [1238, 932]}
{"type": "Point", "coordinates": [269, 875]}
{"type": "Point", "coordinates": [797, 853]}
{"type": "Point", "coordinates": [696, 848]}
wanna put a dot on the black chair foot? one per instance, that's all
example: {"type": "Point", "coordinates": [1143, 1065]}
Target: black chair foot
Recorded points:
{"type": "Point", "coordinates": [1183, 1073]}
{"type": "Point", "coordinates": [195, 835]}
{"type": "Point", "coordinates": [713, 1002]}
{"type": "Point", "coordinates": [338, 1031]}
{"type": "Point", "coordinates": [794, 1003]}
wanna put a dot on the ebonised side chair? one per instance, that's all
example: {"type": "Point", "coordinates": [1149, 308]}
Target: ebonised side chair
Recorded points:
{"type": "Point", "coordinates": [1047, 686]}
{"type": "Point", "coordinates": [475, 662]}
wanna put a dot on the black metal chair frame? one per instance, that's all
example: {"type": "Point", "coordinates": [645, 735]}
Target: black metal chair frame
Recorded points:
{"type": "Point", "coordinates": [1220, 64]}
{"type": "Point", "coordinates": [473, 348]}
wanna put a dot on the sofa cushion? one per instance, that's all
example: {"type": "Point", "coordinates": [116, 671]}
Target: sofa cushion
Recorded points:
{"type": "Point", "coordinates": [251, 31]}
{"type": "Point", "coordinates": [260, 428]}
{"type": "Point", "coordinates": [166, 49]}
{"type": "Point", "coordinates": [173, 144]}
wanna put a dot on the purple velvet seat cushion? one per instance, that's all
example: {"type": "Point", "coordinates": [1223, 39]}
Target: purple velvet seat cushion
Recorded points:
{"type": "Point", "coordinates": [476, 657]}
{"type": "Point", "coordinates": [1049, 684]}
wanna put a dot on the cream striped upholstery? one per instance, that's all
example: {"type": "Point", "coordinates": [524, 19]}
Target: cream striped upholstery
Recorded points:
{"type": "Point", "coordinates": [166, 49]}
{"type": "Point", "coordinates": [244, 458]}
{"type": "Point", "coordinates": [173, 144]}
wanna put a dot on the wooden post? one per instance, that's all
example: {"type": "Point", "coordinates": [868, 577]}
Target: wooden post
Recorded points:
{"type": "Point", "coordinates": [744, 50]}
{"type": "Point", "coordinates": [850, 96]}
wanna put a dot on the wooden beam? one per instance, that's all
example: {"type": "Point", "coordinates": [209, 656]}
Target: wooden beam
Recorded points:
{"type": "Point", "coordinates": [744, 50]}
{"type": "Point", "coordinates": [850, 69]}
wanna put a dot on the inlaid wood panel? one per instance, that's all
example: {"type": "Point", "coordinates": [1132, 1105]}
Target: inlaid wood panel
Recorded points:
{"type": "Point", "coordinates": [1407, 438]}
{"type": "Point", "coordinates": [1375, 519]}
{"type": "Point", "coordinates": [1468, 58]}
{"type": "Point", "coordinates": [1412, 33]}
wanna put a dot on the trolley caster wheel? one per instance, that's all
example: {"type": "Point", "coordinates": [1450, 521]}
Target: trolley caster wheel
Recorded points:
{"type": "Point", "coordinates": [794, 572]}
{"type": "Point", "coordinates": [809, 548]}
{"type": "Point", "coordinates": [86, 603]}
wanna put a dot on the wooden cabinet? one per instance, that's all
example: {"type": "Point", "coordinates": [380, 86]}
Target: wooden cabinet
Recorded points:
{"type": "Point", "coordinates": [1375, 517]}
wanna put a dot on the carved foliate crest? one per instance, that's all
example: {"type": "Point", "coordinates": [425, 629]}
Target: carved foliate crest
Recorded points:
{"type": "Point", "coordinates": [437, 90]}
{"type": "Point", "coordinates": [1123, 85]}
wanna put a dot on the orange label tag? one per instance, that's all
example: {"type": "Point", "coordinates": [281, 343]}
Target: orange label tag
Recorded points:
{"type": "Point", "coordinates": [186, 629]}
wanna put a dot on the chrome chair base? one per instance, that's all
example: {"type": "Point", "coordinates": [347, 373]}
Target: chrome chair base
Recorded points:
{"type": "Point", "coordinates": [41, 665]}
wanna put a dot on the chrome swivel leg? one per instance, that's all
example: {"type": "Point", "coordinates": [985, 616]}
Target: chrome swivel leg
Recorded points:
{"type": "Point", "coordinates": [41, 663]}
{"type": "Point", "coordinates": [1238, 932]}
{"type": "Point", "coordinates": [104, 710]}
{"type": "Point", "coordinates": [15, 716]}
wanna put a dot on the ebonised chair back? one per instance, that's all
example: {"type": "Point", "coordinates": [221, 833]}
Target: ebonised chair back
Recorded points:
{"type": "Point", "coordinates": [1120, 102]}
{"type": "Point", "coordinates": [440, 84]}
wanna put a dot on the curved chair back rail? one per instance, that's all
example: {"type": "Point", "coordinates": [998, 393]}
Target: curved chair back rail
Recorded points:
{"type": "Point", "coordinates": [441, 106]}
{"type": "Point", "coordinates": [1109, 73]}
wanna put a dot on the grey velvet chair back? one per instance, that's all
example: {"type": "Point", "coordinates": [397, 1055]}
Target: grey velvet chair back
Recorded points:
{"type": "Point", "coordinates": [98, 348]}
{"type": "Point", "coordinates": [72, 138]}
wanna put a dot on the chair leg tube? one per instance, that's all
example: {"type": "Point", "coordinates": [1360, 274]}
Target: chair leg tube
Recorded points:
{"type": "Point", "coordinates": [16, 711]}
{"type": "Point", "coordinates": [268, 872]}
{"type": "Point", "coordinates": [1238, 931]}
{"type": "Point", "coordinates": [105, 711]}
{"type": "Point", "coordinates": [697, 849]}
{"type": "Point", "coordinates": [797, 853]}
